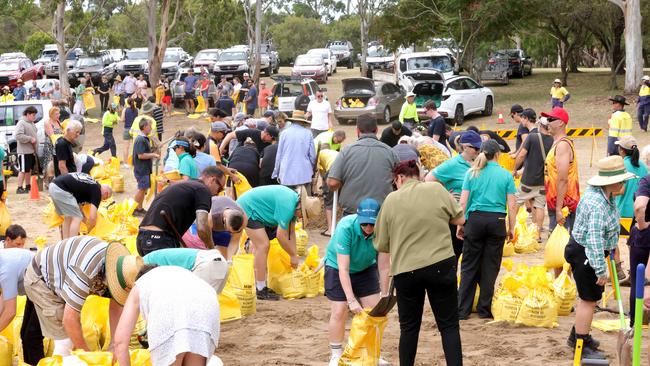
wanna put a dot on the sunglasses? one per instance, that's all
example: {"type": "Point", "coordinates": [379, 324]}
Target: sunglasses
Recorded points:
{"type": "Point", "coordinates": [551, 119]}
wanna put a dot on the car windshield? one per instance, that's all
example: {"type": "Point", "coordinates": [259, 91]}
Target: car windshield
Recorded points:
{"type": "Point", "coordinates": [172, 57]}
{"type": "Point", "coordinates": [378, 52]}
{"type": "Point", "coordinates": [71, 56]}
{"type": "Point", "coordinates": [290, 90]}
{"type": "Point", "coordinates": [232, 56]}
{"type": "Point", "coordinates": [438, 63]}
{"type": "Point", "coordinates": [88, 62]}
{"type": "Point", "coordinates": [207, 55]}
{"type": "Point", "coordinates": [339, 47]}
{"type": "Point", "coordinates": [49, 53]}
{"type": "Point", "coordinates": [322, 53]}
{"type": "Point", "coordinates": [309, 61]}
{"type": "Point", "coordinates": [137, 55]}
{"type": "Point", "coordinates": [8, 66]}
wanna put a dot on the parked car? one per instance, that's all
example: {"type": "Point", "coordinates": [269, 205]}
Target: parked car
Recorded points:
{"type": "Point", "coordinates": [287, 89]}
{"type": "Point", "coordinates": [12, 55]}
{"type": "Point", "coordinates": [52, 69]}
{"type": "Point", "coordinates": [18, 68]}
{"type": "Point", "coordinates": [382, 100]}
{"type": "Point", "coordinates": [310, 66]}
{"type": "Point", "coordinates": [177, 87]}
{"type": "Point", "coordinates": [136, 62]}
{"type": "Point", "coordinates": [408, 63]}
{"type": "Point", "coordinates": [462, 96]}
{"type": "Point", "coordinates": [270, 63]}
{"type": "Point", "coordinates": [206, 58]}
{"type": "Point", "coordinates": [343, 51]}
{"type": "Point", "coordinates": [519, 65]}
{"type": "Point", "coordinates": [117, 54]}
{"type": "Point", "coordinates": [95, 65]}
{"type": "Point", "coordinates": [379, 58]}
{"type": "Point", "coordinates": [174, 59]}
{"type": "Point", "coordinates": [232, 62]}
{"type": "Point", "coordinates": [328, 57]}
{"type": "Point", "coordinates": [49, 53]}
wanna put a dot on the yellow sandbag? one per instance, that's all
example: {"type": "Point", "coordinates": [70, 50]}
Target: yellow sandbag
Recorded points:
{"type": "Point", "coordinates": [364, 343]}
{"type": "Point", "coordinates": [229, 308]}
{"type": "Point", "coordinates": [194, 116]}
{"type": "Point", "coordinates": [5, 217]}
{"type": "Point", "coordinates": [564, 290]}
{"type": "Point", "coordinates": [200, 105]}
{"type": "Point", "coordinates": [242, 281]}
{"type": "Point", "coordinates": [507, 301]}
{"type": "Point", "coordinates": [88, 100]}
{"type": "Point", "coordinates": [95, 322]}
{"type": "Point", "coordinates": [118, 183]}
{"type": "Point", "coordinates": [140, 357]}
{"type": "Point", "coordinates": [12, 332]}
{"type": "Point", "coordinates": [6, 352]}
{"type": "Point", "coordinates": [292, 285]}
{"type": "Point", "coordinates": [172, 175]}
{"type": "Point", "coordinates": [312, 282]}
{"type": "Point", "coordinates": [538, 307]}
{"type": "Point", "coordinates": [313, 259]}
{"type": "Point", "coordinates": [321, 282]}
{"type": "Point", "coordinates": [95, 358]}
{"type": "Point", "coordinates": [554, 250]}
{"type": "Point", "coordinates": [506, 162]}
{"type": "Point", "coordinates": [51, 361]}
{"type": "Point", "coordinates": [159, 92]}
{"type": "Point", "coordinates": [97, 172]}
{"type": "Point", "coordinates": [278, 264]}
{"type": "Point", "coordinates": [302, 239]}
{"type": "Point", "coordinates": [116, 99]}
{"type": "Point", "coordinates": [50, 217]}
{"type": "Point", "coordinates": [508, 249]}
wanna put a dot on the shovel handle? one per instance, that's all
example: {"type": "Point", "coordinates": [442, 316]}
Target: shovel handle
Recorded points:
{"type": "Point", "coordinates": [638, 315]}
{"type": "Point", "coordinates": [617, 289]}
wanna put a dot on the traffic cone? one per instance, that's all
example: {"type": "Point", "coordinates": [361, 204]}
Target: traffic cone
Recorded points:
{"type": "Point", "coordinates": [500, 120]}
{"type": "Point", "coordinates": [33, 189]}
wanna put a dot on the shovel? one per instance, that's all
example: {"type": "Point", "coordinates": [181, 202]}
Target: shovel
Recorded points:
{"type": "Point", "coordinates": [623, 342]}
{"type": "Point", "coordinates": [385, 304]}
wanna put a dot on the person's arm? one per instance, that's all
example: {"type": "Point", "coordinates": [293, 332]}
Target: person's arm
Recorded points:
{"type": "Point", "coordinates": [21, 136]}
{"type": "Point", "coordinates": [278, 159]}
{"type": "Point", "coordinates": [343, 261]}
{"type": "Point", "coordinates": [566, 97]}
{"type": "Point", "coordinates": [383, 262]}
{"type": "Point", "coordinates": [232, 173]}
{"type": "Point", "coordinates": [72, 327]}
{"type": "Point", "coordinates": [464, 197]}
{"type": "Point", "coordinates": [226, 141]}
{"type": "Point", "coordinates": [595, 244]}
{"type": "Point", "coordinates": [92, 218]}
{"type": "Point", "coordinates": [287, 239]}
{"type": "Point", "coordinates": [8, 312]}
{"type": "Point", "coordinates": [430, 177]}
{"type": "Point", "coordinates": [48, 128]}
{"type": "Point", "coordinates": [401, 114]}
{"type": "Point", "coordinates": [203, 228]}
{"type": "Point", "coordinates": [330, 122]}
{"type": "Point", "coordinates": [512, 217]}
{"type": "Point", "coordinates": [122, 336]}
{"type": "Point", "coordinates": [114, 314]}
{"type": "Point", "coordinates": [521, 157]}
{"type": "Point", "coordinates": [62, 167]}
{"type": "Point", "coordinates": [563, 156]}
{"type": "Point", "coordinates": [148, 156]}
{"type": "Point", "coordinates": [640, 206]}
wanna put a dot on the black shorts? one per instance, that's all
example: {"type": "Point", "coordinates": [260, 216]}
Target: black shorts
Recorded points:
{"type": "Point", "coordinates": [364, 283]}
{"type": "Point", "coordinates": [271, 231]}
{"type": "Point", "coordinates": [26, 163]}
{"type": "Point", "coordinates": [149, 241]}
{"type": "Point", "coordinates": [189, 95]}
{"type": "Point", "coordinates": [583, 273]}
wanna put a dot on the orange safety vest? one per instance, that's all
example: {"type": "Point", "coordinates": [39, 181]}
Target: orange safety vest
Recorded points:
{"type": "Point", "coordinates": [572, 196]}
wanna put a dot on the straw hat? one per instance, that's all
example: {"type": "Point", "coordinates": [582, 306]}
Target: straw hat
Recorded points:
{"type": "Point", "coordinates": [121, 271]}
{"type": "Point", "coordinates": [611, 170]}
{"type": "Point", "coordinates": [311, 207]}
{"type": "Point", "coordinates": [298, 116]}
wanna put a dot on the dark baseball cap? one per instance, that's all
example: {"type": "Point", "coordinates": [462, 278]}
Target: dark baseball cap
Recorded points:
{"type": "Point", "coordinates": [516, 108]}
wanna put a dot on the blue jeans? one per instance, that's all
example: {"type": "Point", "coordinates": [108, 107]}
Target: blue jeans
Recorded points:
{"type": "Point", "coordinates": [642, 114]}
{"type": "Point", "coordinates": [552, 221]}
{"type": "Point", "coordinates": [556, 103]}
{"type": "Point", "coordinates": [612, 148]}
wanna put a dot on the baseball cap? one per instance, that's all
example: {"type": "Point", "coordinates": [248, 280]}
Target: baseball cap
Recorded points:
{"type": "Point", "coordinates": [269, 113]}
{"type": "Point", "coordinates": [367, 211]}
{"type": "Point", "coordinates": [262, 124]}
{"type": "Point", "coordinates": [472, 138]}
{"type": "Point", "coordinates": [516, 108]}
{"type": "Point", "coordinates": [113, 105]}
{"type": "Point", "coordinates": [557, 113]}
{"type": "Point", "coordinates": [646, 78]}
{"type": "Point", "coordinates": [627, 142]}
{"type": "Point", "coordinates": [218, 127]}
{"type": "Point", "coordinates": [410, 94]}
{"type": "Point", "coordinates": [529, 114]}
{"type": "Point", "coordinates": [239, 117]}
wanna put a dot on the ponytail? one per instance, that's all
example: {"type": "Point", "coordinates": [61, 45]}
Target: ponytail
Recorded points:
{"type": "Point", "coordinates": [480, 162]}
{"type": "Point", "coordinates": [633, 154]}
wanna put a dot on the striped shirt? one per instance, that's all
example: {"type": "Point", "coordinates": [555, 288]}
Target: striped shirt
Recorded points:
{"type": "Point", "coordinates": [158, 115]}
{"type": "Point", "coordinates": [69, 266]}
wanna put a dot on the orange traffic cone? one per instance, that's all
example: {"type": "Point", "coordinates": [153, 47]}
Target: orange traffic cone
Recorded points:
{"type": "Point", "coordinates": [500, 120]}
{"type": "Point", "coordinates": [33, 190]}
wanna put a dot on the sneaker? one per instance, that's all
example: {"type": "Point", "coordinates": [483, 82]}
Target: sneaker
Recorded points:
{"type": "Point", "coordinates": [267, 294]}
{"type": "Point", "coordinates": [619, 271]}
{"type": "Point", "coordinates": [592, 354]}
{"type": "Point", "coordinates": [588, 341]}
{"type": "Point", "coordinates": [334, 361]}
{"type": "Point", "coordinates": [28, 188]}
{"type": "Point", "coordinates": [383, 362]}
{"type": "Point", "coordinates": [20, 190]}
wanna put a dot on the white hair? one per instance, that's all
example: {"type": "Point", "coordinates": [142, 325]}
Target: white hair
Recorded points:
{"type": "Point", "coordinates": [73, 125]}
{"type": "Point", "coordinates": [645, 155]}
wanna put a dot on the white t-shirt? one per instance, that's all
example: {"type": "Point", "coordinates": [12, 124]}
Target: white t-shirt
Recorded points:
{"type": "Point", "coordinates": [319, 114]}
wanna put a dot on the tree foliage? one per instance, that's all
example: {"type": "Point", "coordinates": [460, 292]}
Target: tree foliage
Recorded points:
{"type": "Point", "coordinates": [295, 35]}
{"type": "Point", "coordinates": [35, 42]}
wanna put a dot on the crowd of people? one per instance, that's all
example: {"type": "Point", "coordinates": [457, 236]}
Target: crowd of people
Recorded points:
{"type": "Point", "coordinates": [418, 207]}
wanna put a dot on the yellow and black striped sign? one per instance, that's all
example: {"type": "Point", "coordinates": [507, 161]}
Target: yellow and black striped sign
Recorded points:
{"type": "Point", "coordinates": [626, 226]}
{"type": "Point", "coordinates": [571, 132]}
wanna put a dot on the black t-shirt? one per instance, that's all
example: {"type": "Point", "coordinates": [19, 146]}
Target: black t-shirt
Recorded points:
{"type": "Point", "coordinates": [268, 162]}
{"type": "Point", "coordinates": [644, 191]}
{"type": "Point", "coordinates": [534, 164]}
{"type": "Point", "coordinates": [391, 139]}
{"type": "Point", "coordinates": [64, 114]}
{"type": "Point", "coordinates": [82, 186]}
{"type": "Point", "coordinates": [255, 135]}
{"type": "Point", "coordinates": [141, 146]}
{"type": "Point", "coordinates": [226, 104]}
{"type": "Point", "coordinates": [246, 159]}
{"type": "Point", "coordinates": [180, 201]}
{"type": "Point", "coordinates": [521, 130]}
{"type": "Point", "coordinates": [63, 151]}
{"type": "Point", "coordinates": [438, 126]}
{"type": "Point", "coordinates": [495, 136]}
{"type": "Point", "coordinates": [104, 87]}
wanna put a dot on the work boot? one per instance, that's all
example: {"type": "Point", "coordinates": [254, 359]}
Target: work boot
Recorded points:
{"type": "Point", "coordinates": [591, 354]}
{"type": "Point", "coordinates": [620, 272]}
{"type": "Point", "coordinates": [20, 190]}
{"type": "Point", "coordinates": [588, 341]}
{"type": "Point", "coordinates": [267, 294]}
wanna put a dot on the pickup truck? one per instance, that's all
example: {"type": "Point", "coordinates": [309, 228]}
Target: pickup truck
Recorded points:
{"type": "Point", "coordinates": [18, 68]}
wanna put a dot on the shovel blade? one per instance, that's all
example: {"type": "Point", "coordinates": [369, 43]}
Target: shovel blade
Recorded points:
{"type": "Point", "coordinates": [624, 344]}
{"type": "Point", "coordinates": [384, 306]}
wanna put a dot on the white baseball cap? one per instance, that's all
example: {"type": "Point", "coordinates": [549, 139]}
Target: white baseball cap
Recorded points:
{"type": "Point", "coordinates": [646, 78]}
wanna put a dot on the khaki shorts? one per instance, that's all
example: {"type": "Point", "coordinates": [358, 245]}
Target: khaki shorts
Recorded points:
{"type": "Point", "coordinates": [49, 307]}
{"type": "Point", "coordinates": [211, 267]}
{"type": "Point", "coordinates": [537, 194]}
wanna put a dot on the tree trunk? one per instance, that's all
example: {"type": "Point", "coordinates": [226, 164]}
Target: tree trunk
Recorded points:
{"type": "Point", "coordinates": [633, 46]}
{"type": "Point", "coordinates": [59, 35]}
{"type": "Point", "coordinates": [157, 44]}
{"type": "Point", "coordinates": [617, 51]}
{"type": "Point", "coordinates": [564, 55]}
{"type": "Point", "coordinates": [573, 60]}
{"type": "Point", "coordinates": [363, 15]}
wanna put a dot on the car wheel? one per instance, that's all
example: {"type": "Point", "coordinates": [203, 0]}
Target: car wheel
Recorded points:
{"type": "Point", "coordinates": [334, 71]}
{"type": "Point", "coordinates": [386, 115]}
{"type": "Point", "coordinates": [459, 115]}
{"type": "Point", "coordinates": [489, 105]}
{"type": "Point", "coordinates": [530, 72]}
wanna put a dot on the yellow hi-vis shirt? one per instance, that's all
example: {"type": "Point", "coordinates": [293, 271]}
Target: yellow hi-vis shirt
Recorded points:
{"type": "Point", "coordinates": [620, 124]}
{"type": "Point", "coordinates": [408, 111]}
{"type": "Point", "coordinates": [326, 159]}
{"type": "Point", "coordinates": [644, 91]}
{"type": "Point", "coordinates": [559, 93]}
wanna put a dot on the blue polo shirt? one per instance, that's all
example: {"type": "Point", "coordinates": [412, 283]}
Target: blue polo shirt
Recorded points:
{"type": "Point", "coordinates": [350, 240]}
{"type": "Point", "coordinates": [273, 205]}
{"type": "Point", "coordinates": [451, 173]}
{"type": "Point", "coordinates": [489, 190]}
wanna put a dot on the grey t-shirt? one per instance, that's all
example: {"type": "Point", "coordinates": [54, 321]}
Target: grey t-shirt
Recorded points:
{"type": "Point", "coordinates": [533, 175]}
{"type": "Point", "coordinates": [365, 170]}
{"type": "Point", "coordinates": [13, 263]}
{"type": "Point", "coordinates": [219, 205]}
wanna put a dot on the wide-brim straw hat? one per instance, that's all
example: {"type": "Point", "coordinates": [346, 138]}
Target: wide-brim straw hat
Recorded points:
{"type": "Point", "coordinates": [298, 116]}
{"type": "Point", "coordinates": [311, 207]}
{"type": "Point", "coordinates": [611, 170]}
{"type": "Point", "coordinates": [122, 268]}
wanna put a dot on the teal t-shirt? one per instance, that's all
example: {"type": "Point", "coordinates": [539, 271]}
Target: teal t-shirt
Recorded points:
{"type": "Point", "coordinates": [451, 173]}
{"type": "Point", "coordinates": [187, 166]}
{"type": "Point", "coordinates": [625, 202]}
{"type": "Point", "coordinates": [179, 257]}
{"type": "Point", "coordinates": [273, 205]}
{"type": "Point", "coordinates": [350, 240]}
{"type": "Point", "coordinates": [489, 190]}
